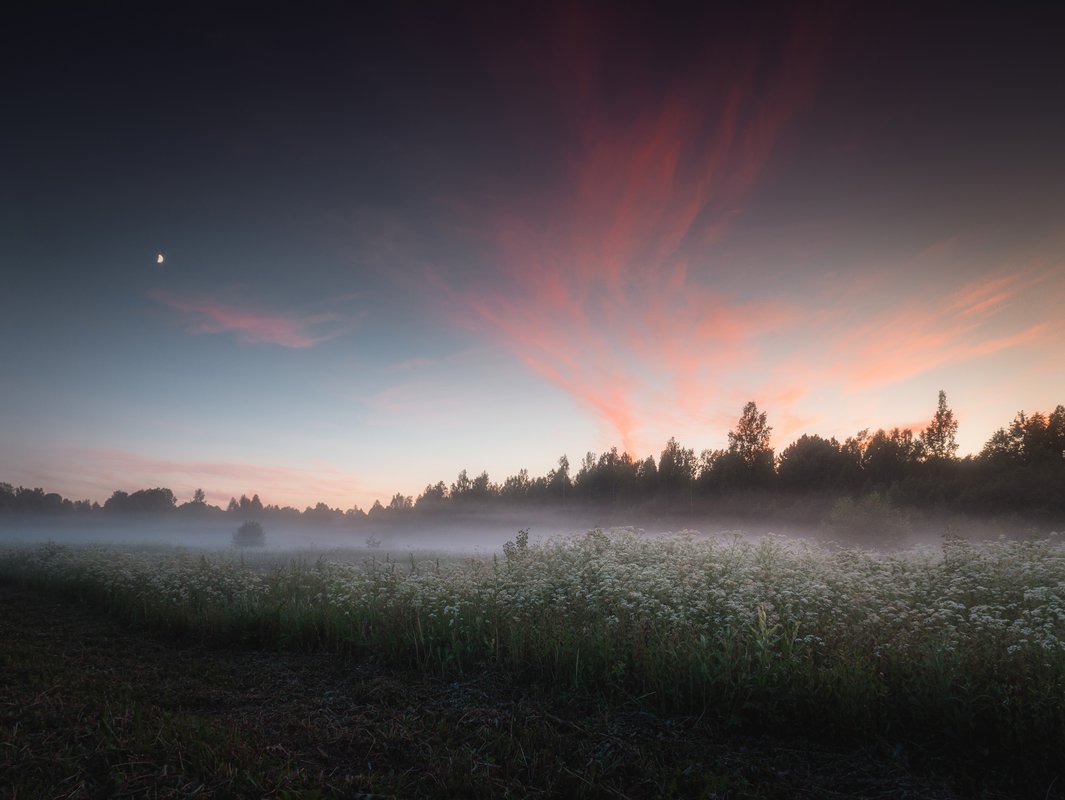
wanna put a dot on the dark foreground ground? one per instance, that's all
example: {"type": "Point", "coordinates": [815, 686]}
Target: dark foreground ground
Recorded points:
{"type": "Point", "coordinates": [92, 708]}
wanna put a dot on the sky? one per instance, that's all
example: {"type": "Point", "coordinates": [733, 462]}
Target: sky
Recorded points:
{"type": "Point", "coordinates": [400, 240]}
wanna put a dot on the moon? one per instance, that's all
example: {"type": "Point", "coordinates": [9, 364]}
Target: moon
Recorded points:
{"type": "Point", "coordinates": [159, 259]}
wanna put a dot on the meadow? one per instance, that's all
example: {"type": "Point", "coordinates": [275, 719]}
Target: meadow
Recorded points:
{"type": "Point", "coordinates": [954, 653]}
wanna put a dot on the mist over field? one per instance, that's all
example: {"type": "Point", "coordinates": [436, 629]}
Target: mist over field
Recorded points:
{"type": "Point", "coordinates": [474, 536]}
{"type": "Point", "coordinates": [486, 532]}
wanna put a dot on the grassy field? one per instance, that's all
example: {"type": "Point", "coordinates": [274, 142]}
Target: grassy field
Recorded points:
{"type": "Point", "coordinates": [605, 664]}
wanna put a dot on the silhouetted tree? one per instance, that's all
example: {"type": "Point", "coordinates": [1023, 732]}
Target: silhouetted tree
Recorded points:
{"type": "Point", "coordinates": [1006, 446]}
{"type": "Point", "coordinates": [890, 457]}
{"type": "Point", "coordinates": [617, 473]}
{"type": "Point", "coordinates": [729, 470]}
{"type": "Point", "coordinates": [482, 489]}
{"type": "Point", "coordinates": [400, 502]}
{"type": "Point", "coordinates": [608, 478]}
{"type": "Point", "coordinates": [584, 482]}
{"type": "Point", "coordinates": [433, 498]}
{"type": "Point", "coordinates": [706, 475]}
{"type": "Point", "coordinates": [322, 513]}
{"type": "Point", "coordinates": [938, 437]}
{"type": "Point", "coordinates": [516, 488]}
{"type": "Point", "coordinates": [143, 501]}
{"type": "Point", "coordinates": [281, 512]}
{"type": "Point", "coordinates": [559, 485]}
{"type": "Point", "coordinates": [750, 438]}
{"type": "Point", "coordinates": [251, 506]}
{"type": "Point", "coordinates": [461, 488]}
{"type": "Point", "coordinates": [117, 501]}
{"type": "Point", "coordinates": [1028, 439]}
{"type": "Point", "coordinates": [749, 443]}
{"type": "Point", "coordinates": [647, 478]}
{"type": "Point", "coordinates": [853, 449]}
{"type": "Point", "coordinates": [1022, 468]}
{"type": "Point", "coordinates": [1055, 433]}
{"type": "Point", "coordinates": [676, 472]}
{"type": "Point", "coordinates": [812, 463]}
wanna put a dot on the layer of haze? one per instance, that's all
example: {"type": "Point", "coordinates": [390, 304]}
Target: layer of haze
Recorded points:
{"type": "Point", "coordinates": [400, 242]}
{"type": "Point", "coordinates": [483, 533]}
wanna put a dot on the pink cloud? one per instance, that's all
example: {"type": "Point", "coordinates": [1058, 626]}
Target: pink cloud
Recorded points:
{"type": "Point", "coordinates": [605, 279]}
{"type": "Point", "coordinates": [595, 287]}
{"type": "Point", "coordinates": [970, 323]}
{"type": "Point", "coordinates": [201, 315]}
{"type": "Point", "coordinates": [986, 294]}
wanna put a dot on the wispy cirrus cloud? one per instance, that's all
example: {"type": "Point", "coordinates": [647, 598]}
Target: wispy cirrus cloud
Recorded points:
{"type": "Point", "coordinates": [969, 323]}
{"type": "Point", "coordinates": [615, 267]}
{"type": "Point", "coordinates": [987, 294]}
{"type": "Point", "coordinates": [202, 315]}
{"type": "Point", "coordinates": [602, 283]}
{"type": "Point", "coordinates": [869, 337]}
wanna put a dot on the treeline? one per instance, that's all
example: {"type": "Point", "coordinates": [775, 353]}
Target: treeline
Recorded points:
{"type": "Point", "coordinates": [1021, 469]}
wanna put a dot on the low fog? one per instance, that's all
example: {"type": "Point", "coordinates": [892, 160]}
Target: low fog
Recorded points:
{"type": "Point", "coordinates": [486, 533]}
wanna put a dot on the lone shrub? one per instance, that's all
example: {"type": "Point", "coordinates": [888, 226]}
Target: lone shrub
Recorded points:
{"type": "Point", "coordinates": [250, 534]}
{"type": "Point", "coordinates": [518, 546]}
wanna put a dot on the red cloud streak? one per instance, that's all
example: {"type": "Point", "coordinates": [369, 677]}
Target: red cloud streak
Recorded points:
{"type": "Point", "coordinates": [899, 344]}
{"type": "Point", "coordinates": [596, 286]}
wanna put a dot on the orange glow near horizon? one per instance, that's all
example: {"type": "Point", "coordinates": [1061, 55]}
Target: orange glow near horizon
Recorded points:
{"type": "Point", "coordinates": [112, 469]}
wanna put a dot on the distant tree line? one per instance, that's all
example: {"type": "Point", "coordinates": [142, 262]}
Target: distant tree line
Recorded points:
{"type": "Point", "coordinates": [1021, 469]}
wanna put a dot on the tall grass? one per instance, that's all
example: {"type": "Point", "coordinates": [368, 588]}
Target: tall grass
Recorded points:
{"type": "Point", "coordinates": [961, 647]}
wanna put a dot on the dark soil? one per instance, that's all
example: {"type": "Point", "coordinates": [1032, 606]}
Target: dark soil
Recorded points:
{"type": "Point", "coordinates": [90, 707]}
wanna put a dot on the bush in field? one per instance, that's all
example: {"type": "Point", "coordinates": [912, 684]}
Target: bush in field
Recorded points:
{"type": "Point", "coordinates": [250, 534]}
{"type": "Point", "coordinates": [872, 515]}
{"type": "Point", "coordinates": [517, 546]}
